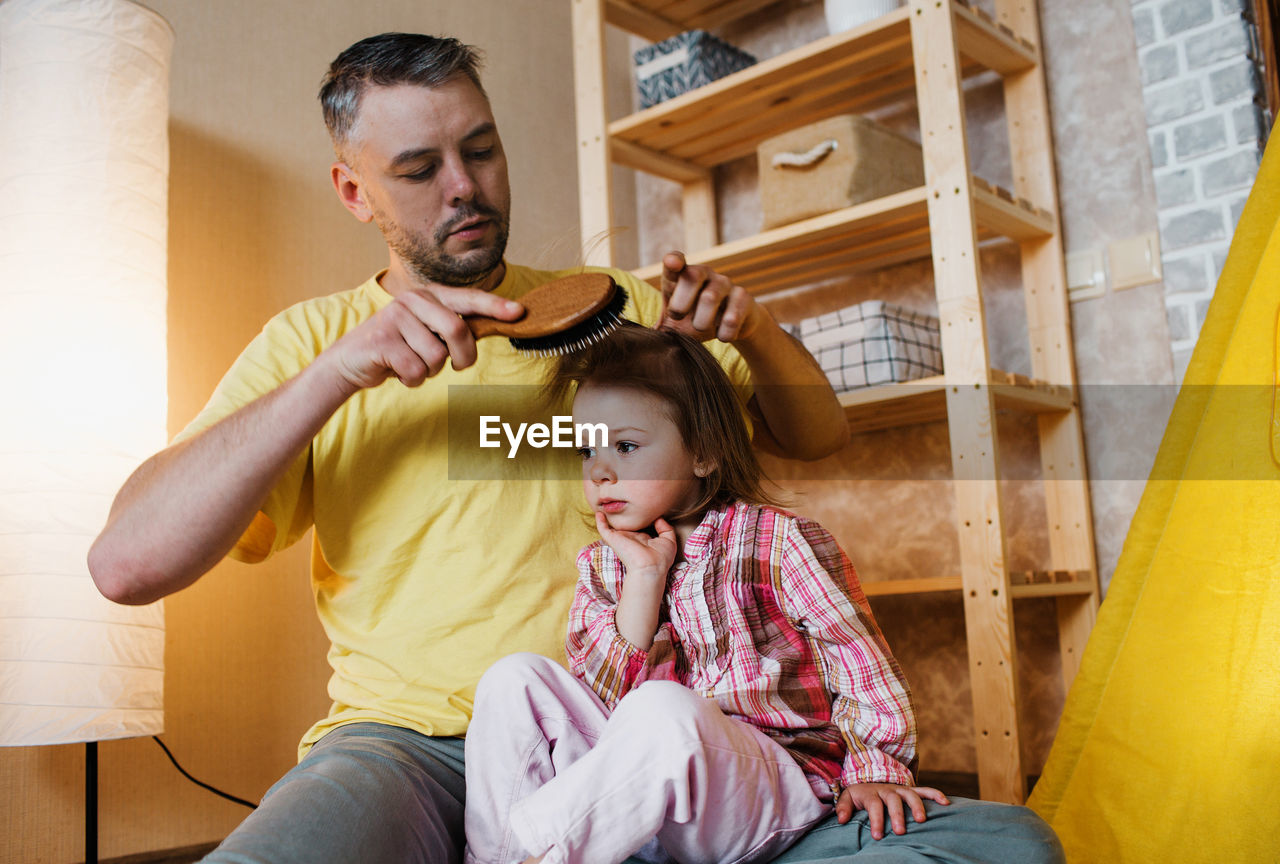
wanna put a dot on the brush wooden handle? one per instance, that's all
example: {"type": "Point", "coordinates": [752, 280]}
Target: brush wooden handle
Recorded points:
{"type": "Point", "coordinates": [551, 308]}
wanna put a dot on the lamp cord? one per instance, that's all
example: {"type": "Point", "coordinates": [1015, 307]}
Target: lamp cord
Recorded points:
{"type": "Point", "coordinates": [199, 783]}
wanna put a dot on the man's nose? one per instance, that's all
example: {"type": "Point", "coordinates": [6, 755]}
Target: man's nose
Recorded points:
{"type": "Point", "coordinates": [460, 184]}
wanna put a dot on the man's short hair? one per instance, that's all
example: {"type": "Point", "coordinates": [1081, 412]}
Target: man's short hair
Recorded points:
{"type": "Point", "coordinates": [386, 60]}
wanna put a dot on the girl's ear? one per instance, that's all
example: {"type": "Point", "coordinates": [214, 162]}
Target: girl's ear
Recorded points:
{"type": "Point", "coordinates": [704, 469]}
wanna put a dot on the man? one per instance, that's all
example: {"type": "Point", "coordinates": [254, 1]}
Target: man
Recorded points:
{"type": "Point", "coordinates": [425, 571]}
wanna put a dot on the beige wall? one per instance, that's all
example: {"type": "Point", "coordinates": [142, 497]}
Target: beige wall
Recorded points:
{"type": "Point", "coordinates": [255, 226]}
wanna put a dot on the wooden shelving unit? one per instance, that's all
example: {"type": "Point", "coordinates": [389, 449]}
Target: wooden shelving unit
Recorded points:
{"type": "Point", "coordinates": [919, 53]}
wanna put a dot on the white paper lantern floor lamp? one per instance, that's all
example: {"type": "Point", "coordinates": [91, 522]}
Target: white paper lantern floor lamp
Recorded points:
{"type": "Point", "coordinates": [84, 92]}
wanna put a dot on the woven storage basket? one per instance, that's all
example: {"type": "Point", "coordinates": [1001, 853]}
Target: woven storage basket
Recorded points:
{"type": "Point", "coordinates": [871, 343]}
{"type": "Point", "coordinates": [832, 164]}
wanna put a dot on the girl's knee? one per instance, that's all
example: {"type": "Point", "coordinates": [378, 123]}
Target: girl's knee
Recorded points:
{"type": "Point", "coordinates": [664, 711]}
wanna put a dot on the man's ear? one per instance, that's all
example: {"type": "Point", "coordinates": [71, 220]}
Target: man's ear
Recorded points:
{"type": "Point", "coordinates": [347, 185]}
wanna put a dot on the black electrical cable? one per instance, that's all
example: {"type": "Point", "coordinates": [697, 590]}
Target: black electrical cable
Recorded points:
{"type": "Point", "coordinates": [215, 791]}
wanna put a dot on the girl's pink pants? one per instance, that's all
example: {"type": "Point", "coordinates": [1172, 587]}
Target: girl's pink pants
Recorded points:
{"type": "Point", "coordinates": [551, 772]}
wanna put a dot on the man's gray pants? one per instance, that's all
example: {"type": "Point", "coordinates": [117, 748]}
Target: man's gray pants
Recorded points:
{"type": "Point", "coordinates": [369, 793]}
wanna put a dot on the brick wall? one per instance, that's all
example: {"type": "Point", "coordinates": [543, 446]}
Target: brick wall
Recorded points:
{"type": "Point", "coordinates": [1202, 92]}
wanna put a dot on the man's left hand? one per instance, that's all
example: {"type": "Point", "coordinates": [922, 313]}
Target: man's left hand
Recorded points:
{"type": "Point", "coordinates": [704, 304]}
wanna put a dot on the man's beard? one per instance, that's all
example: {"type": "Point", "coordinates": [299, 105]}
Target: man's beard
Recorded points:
{"type": "Point", "coordinates": [428, 260]}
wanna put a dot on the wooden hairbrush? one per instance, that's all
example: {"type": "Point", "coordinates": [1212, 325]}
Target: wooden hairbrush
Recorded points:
{"type": "Point", "coordinates": [560, 316]}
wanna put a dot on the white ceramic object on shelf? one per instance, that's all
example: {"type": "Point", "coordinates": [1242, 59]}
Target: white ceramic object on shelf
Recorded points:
{"type": "Point", "coordinates": [845, 14]}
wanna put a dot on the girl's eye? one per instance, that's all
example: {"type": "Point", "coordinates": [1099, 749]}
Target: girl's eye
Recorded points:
{"type": "Point", "coordinates": [587, 452]}
{"type": "Point", "coordinates": [626, 446]}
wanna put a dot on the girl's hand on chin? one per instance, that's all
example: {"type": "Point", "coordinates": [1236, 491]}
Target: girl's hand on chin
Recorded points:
{"type": "Point", "coordinates": [641, 553]}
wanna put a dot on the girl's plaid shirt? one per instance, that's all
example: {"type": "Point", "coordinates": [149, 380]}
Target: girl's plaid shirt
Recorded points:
{"type": "Point", "coordinates": [765, 615]}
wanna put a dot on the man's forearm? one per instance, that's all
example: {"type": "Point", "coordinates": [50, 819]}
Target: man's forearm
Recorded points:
{"type": "Point", "coordinates": [794, 398]}
{"type": "Point", "coordinates": [184, 508]}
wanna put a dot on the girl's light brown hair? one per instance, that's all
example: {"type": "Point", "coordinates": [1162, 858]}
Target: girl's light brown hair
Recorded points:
{"type": "Point", "coordinates": [698, 395]}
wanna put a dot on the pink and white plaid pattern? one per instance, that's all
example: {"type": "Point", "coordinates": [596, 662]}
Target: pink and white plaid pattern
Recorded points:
{"type": "Point", "coordinates": [765, 616]}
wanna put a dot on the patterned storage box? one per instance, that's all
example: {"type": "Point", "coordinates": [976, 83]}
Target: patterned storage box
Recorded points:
{"type": "Point", "coordinates": [872, 343]}
{"type": "Point", "coordinates": [683, 62]}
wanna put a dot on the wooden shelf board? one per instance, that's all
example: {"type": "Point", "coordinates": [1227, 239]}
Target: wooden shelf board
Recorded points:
{"type": "Point", "coordinates": [869, 236]}
{"type": "Point", "coordinates": [722, 12]}
{"type": "Point", "coordinates": [859, 70]}
{"type": "Point", "coordinates": [1021, 585]}
{"type": "Point", "coordinates": [656, 20]}
{"type": "Point", "coordinates": [680, 14]}
{"type": "Point", "coordinates": [994, 45]}
{"type": "Point", "coordinates": [1066, 589]}
{"type": "Point", "coordinates": [1051, 583]}
{"type": "Point", "coordinates": [898, 587]}
{"type": "Point", "coordinates": [654, 162]}
{"type": "Point", "coordinates": [635, 17]}
{"type": "Point", "coordinates": [1020, 393]}
{"type": "Point", "coordinates": [782, 92]}
{"type": "Point", "coordinates": [888, 406]}
{"type": "Point", "coordinates": [1018, 219]}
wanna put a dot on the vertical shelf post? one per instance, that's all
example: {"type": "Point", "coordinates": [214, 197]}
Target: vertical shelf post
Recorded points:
{"type": "Point", "coordinates": [595, 197]}
{"type": "Point", "coordinates": [970, 405]}
{"type": "Point", "coordinates": [699, 208]}
{"type": "Point", "coordinates": [1052, 357]}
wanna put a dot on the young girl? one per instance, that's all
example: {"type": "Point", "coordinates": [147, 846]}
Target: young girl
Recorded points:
{"type": "Point", "coordinates": [730, 686]}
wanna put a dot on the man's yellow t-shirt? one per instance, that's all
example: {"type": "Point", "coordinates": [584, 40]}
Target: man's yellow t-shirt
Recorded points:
{"type": "Point", "coordinates": [432, 556]}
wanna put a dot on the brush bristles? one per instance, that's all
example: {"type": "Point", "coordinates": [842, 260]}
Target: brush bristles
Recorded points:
{"type": "Point", "coordinates": [580, 335]}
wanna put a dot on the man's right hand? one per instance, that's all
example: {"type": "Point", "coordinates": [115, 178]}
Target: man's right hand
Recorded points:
{"type": "Point", "coordinates": [413, 336]}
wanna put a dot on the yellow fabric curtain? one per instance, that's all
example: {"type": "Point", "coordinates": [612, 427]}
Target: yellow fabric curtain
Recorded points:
{"type": "Point", "coordinates": [1169, 746]}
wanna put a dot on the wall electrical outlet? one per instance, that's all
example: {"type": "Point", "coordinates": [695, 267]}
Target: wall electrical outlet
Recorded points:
{"type": "Point", "coordinates": [1135, 261]}
{"type": "Point", "coordinates": [1086, 276]}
